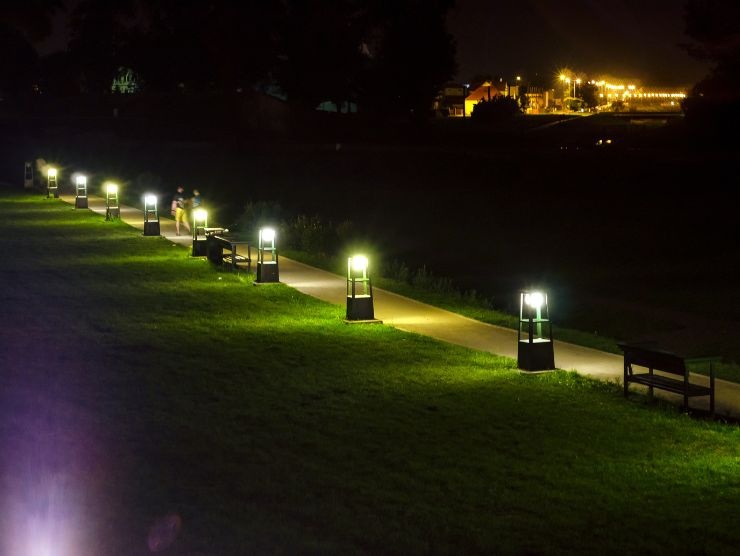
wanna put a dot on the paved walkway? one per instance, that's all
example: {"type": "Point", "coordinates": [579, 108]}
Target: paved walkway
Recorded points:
{"type": "Point", "coordinates": [414, 316]}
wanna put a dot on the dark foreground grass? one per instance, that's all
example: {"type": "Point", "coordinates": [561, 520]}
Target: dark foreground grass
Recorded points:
{"type": "Point", "coordinates": [140, 383]}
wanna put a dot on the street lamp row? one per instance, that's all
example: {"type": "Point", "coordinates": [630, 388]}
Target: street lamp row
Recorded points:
{"type": "Point", "coordinates": [534, 339]}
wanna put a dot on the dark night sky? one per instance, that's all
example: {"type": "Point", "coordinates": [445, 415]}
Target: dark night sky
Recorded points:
{"type": "Point", "coordinates": [624, 38]}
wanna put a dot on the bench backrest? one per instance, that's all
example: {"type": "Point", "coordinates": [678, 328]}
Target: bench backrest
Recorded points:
{"type": "Point", "coordinates": [657, 360]}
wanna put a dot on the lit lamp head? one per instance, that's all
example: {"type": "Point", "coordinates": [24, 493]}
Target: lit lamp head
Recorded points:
{"type": "Point", "coordinates": [150, 200]}
{"type": "Point", "coordinates": [81, 180]}
{"type": "Point", "coordinates": [51, 173]}
{"type": "Point", "coordinates": [267, 235]}
{"type": "Point", "coordinates": [111, 188]}
{"type": "Point", "coordinates": [200, 216]}
{"type": "Point", "coordinates": [358, 265]}
{"type": "Point", "coordinates": [534, 300]}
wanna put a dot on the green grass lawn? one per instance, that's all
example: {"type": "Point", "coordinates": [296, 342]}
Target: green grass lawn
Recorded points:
{"type": "Point", "coordinates": [148, 384]}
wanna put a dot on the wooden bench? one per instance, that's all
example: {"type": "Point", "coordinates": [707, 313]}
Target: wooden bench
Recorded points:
{"type": "Point", "coordinates": [217, 244]}
{"type": "Point", "coordinates": [653, 358]}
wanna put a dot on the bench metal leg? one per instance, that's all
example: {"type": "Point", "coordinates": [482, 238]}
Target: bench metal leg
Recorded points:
{"type": "Point", "coordinates": [626, 381]}
{"type": "Point", "coordinates": [686, 391]}
{"type": "Point", "coordinates": [711, 389]}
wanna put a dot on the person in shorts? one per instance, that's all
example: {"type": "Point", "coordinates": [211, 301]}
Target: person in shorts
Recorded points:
{"type": "Point", "coordinates": [179, 210]}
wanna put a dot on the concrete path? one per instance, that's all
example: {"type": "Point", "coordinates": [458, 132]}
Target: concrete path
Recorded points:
{"type": "Point", "coordinates": [415, 316]}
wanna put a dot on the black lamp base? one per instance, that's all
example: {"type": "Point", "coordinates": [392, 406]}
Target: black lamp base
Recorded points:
{"type": "Point", "coordinates": [200, 247]}
{"type": "Point", "coordinates": [360, 308]}
{"type": "Point", "coordinates": [80, 202]}
{"type": "Point", "coordinates": [536, 356]}
{"type": "Point", "coordinates": [267, 272]}
{"type": "Point", "coordinates": [151, 228]}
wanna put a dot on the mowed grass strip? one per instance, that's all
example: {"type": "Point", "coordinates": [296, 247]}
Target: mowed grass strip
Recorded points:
{"type": "Point", "coordinates": [268, 425]}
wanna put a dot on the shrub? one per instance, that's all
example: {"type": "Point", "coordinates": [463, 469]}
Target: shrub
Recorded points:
{"type": "Point", "coordinates": [497, 109]}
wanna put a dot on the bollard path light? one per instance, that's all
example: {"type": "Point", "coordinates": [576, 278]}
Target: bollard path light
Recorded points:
{"type": "Point", "coordinates": [81, 191]}
{"type": "Point", "coordinates": [51, 183]}
{"type": "Point", "coordinates": [267, 257]}
{"type": "Point", "coordinates": [200, 223]}
{"type": "Point", "coordinates": [112, 208]}
{"type": "Point", "coordinates": [359, 291]}
{"type": "Point", "coordinates": [535, 345]}
{"type": "Point", "coordinates": [151, 216]}
{"type": "Point", "coordinates": [28, 176]}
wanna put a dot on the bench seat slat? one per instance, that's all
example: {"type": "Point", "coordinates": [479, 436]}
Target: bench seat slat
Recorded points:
{"type": "Point", "coordinates": [670, 384]}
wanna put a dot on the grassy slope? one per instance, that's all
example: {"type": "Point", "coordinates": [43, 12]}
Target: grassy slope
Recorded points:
{"type": "Point", "coordinates": [270, 426]}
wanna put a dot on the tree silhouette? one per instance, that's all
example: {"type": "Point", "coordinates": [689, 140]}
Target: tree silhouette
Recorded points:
{"type": "Point", "coordinates": [392, 57]}
{"type": "Point", "coordinates": [21, 23]}
{"type": "Point", "coordinates": [714, 103]}
{"type": "Point", "coordinates": [413, 55]}
{"type": "Point", "coordinates": [590, 95]}
{"type": "Point", "coordinates": [498, 109]}
{"type": "Point", "coordinates": [98, 30]}
{"type": "Point", "coordinates": [322, 50]}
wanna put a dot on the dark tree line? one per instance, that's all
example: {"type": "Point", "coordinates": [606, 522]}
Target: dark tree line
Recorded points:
{"type": "Point", "coordinates": [22, 22]}
{"type": "Point", "coordinates": [390, 53]}
{"type": "Point", "coordinates": [714, 103]}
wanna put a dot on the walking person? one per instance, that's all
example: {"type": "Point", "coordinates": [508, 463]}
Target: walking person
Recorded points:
{"type": "Point", "coordinates": [179, 211]}
{"type": "Point", "coordinates": [196, 201]}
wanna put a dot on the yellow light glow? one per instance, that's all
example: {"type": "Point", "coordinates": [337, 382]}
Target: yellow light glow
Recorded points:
{"type": "Point", "coordinates": [267, 234]}
{"type": "Point", "coordinates": [518, 78]}
{"type": "Point", "coordinates": [578, 81]}
{"type": "Point", "coordinates": [562, 77]}
{"type": "Point", "coordinates": [81, 180]}
{"type": "Point", "coordinates": [200, 215]}
{"type": "Point", "coordinates": [534, 299]}
{"type": "Point", "coordinates": [359, 263]}
{"type": "Point", "coordinates": [150, 200]}
{"type": "Point", "coordinates": [111, 188]}
{"type": "Point", "coordinates": [51, 172]}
